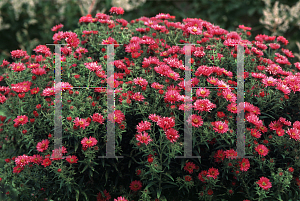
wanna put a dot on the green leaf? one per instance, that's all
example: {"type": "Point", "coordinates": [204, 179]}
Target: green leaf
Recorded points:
{"type": "Point", "coordinates": [84, 169]}
{"type": "Point", "coordinates": [150, 184]}
{"type": "Point", "coordinates": [169, 182]}
{"type": "Point", "coordinates": [85, 195]}
{"type": "Point", "coordinates": [129, 164]}
{"type": "Point", "coordinates": [77, 194]}
{"type": "Point", "coordinates": [158, 193]}
{"type": "Point", "coordinates": [61, 183]}
{"type": "Point", "coordinates": [167, 174]}
{"type": "Point", "coordinates": [69, 188]}
{"type": "Point", "coordinates": [76, 147]}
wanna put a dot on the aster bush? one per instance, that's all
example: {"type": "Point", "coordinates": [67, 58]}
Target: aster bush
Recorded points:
{"type": "Point", "coordinates": [149, 82]}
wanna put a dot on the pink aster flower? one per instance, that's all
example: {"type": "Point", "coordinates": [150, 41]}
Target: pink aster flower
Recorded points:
{"type": "Point", "coordinates": [98, 118]}
{"type": "Point", "coordinates": [285, 89]}
{"type": "Point", "coordinates": [172, 96]}
{"type": "Point", "coordinates": [38, 71]}
{"type": "Point", "coordinates": [156, 85]}
{"type": "Point", "coordinates": [21, 120]}
{"type": "Point", "coordinates": [22, 160]}
{"type": "Point", "coordinates": [143, 138]}
{"type": "Point", "coordinates": [140, 81]}
{"type": "Point", "coordinates": [220, 127]}
{"type": "Point", "coordinates": [262, 150]}
{"type": "Point", "coordinates": [252, 118]}
{"type": "Point", "coordinates": [154, 117]}
{"type": "Point", "coordinates": [204, 105]}
{"type": "Point", "coordinates": [274, 46]}
{"type": "Point", "coordinates": [232, 107]}
{"type": "Point", "coordinates": [93, 66]}
{"type": "Point", "coordinates": [81, 122]}
{"type": "Point", "coordinates": [194, 30]}
{"type": "Point", "coordinates": [138, 96]}
{"type": "Point", "coordinates": [46, 162]}
{"type": "Point", "coordinates": [117, 11]}
{"type": "Point", "coordinates": [173, 75]}
{"type": "Point", "coordinates": [49, 91]}
{"type": "Point", "coordinates": [57, 27]}
{"type": "Point", "coordinates": [172, 134]}
{"type": "Point", "coordinates": [264, 183]}
{"type": "Point", "coordinates": [135, 185]}
{"type": "Point", "coordinates": [189, 167]}
{"type": "Point", "coordinates": [143, 126]}
{"type": "Point", "coordinates": [37, 159]}
{"type": "Point", "coordinates": [202, 92]}
{"type": "Point", "coordinates": [244, 164]}
{"type": "Point", "coordinates": [280, 132]}
{"type": "Point", "coordinates": [212, 172]}
{"type": "Point", "coordinates": [229, 96]}
{"type": "Point", "coordinates": [219, 156]}
{"type": "Point", "coordinates": [18, 67]}
{"type": "Point", "coordinates": [296, 124]}
{"type": "Point", "coordinates": [18, 169]}
{"type": "Point", "coordinates": [166, 123]}
{"type": "Point", "coordinates": [18, 53]}
{"type": "Point", "coordinates": [42, 146]}
{"type": "Point", "coordinates": [72, 159]}
{"type": "Point", "coordinates": [89, 142]}
{"type": "Point", "coordinates": [195, 120]}
{"type": "Point", "coordinates": [185, 107]}
{"type": "Point", "coordinates": [255, 133]}
{"type": "Point", "coordinates": [275, 125]}
{"type": "Point", "coordinates": [121, 199]}
{"type": "Point", "coordinates": [117, 116]}
{"type": "Point", "coordinates": [132, 47]}
{"type": "Point", "coordinates": [294, 133]}
{"type": "Point", "coordinates": [269, 81]}
{"type": "Point", "coordinates": [230, 154]}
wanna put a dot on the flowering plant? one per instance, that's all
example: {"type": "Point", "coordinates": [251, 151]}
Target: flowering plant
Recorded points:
{"type": "Point", "coordinates": [149, 86]}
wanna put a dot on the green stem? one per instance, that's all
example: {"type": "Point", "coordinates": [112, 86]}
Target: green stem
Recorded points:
{"type": "Point", "coordinates": [247, 191]}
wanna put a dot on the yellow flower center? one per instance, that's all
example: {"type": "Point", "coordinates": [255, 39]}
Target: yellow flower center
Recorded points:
{"type": "Point", "coordinates": [21, 119]}
{"type": "Point", "coordinates": [220, 127]}
{"type": "Point", "coordinates": [195, 120]}
{"type": "Point", "coordinates": [194, 29]}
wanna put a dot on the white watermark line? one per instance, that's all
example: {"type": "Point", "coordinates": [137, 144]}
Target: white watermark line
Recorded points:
{"type": "Point", "coordinates": [58, 104]}
{"type": "Point", "coordinates": [240, 107]}
{"type": "Point", "coordinates": [188, 142]}
{"type": "Point", "coordinates": [110, 146]}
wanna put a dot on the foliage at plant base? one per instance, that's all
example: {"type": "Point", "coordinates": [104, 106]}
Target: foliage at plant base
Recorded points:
{"type": "Point", "coordinates": [149, 82]}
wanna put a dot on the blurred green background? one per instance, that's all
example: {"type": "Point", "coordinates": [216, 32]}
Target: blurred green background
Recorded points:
{"type": "Point", "coordinates": [24, 24]}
